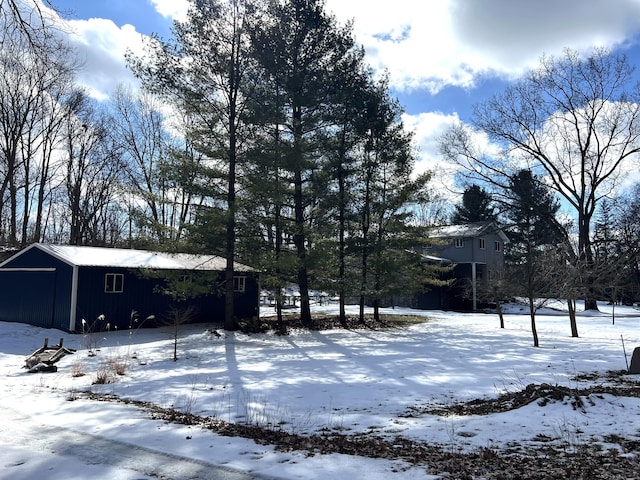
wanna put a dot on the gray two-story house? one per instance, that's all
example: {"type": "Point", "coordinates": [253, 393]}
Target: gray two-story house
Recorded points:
{"type": "Point", "coordinates": [476, 253]}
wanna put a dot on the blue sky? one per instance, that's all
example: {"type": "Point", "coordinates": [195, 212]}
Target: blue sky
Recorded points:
{"type": "Point", "coordinates": [140, 13]}
{"type": "Point", "coordinates": [443, 56]}
{"type": "Point", "coordinates": [144, 15]}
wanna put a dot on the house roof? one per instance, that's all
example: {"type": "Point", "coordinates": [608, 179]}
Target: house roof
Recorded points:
{"type": "Point", "coordinates": [130, 258]}
{"type": "Point", "coordinates": [434, 259]}
{"type": "Point", "coordinates": [467, 230]}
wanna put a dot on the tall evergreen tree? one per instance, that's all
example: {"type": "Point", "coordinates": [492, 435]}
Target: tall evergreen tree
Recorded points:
{"type": "Point", "coordinates": [208, 71]}
{"type": "Point", "coordinates": [604, 238]}
{"type": "Point", "coordinates": [476, 207]}
{"type": "Point", "coordinates": [383, 193]}
{"type": "Point", "coordinates": [531, 213]}
{"type": "Point", "coordinates": [267, 204]}
{"type": "Point", "coordinates": [532, 226]}
{"type": "Point", "coordinates": [299, 46]}
{"type": "Point", "coordinates": [343, 146]}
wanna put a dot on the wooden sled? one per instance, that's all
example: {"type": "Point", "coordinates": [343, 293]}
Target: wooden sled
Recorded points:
{"type": "Point", "coordinates": [44, 358]}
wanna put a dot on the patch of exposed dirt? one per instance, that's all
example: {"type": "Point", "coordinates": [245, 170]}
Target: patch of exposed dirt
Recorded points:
{"type": "Point", "coordinates": [542, 394]}
{"type": "Point", "coordinates": [590, 461]}
{"type": "Point", "coordinates": [351, 322]}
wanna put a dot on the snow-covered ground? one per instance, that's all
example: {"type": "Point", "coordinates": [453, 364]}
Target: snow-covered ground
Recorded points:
{"type": "Point", "coordinates": [348, 381]}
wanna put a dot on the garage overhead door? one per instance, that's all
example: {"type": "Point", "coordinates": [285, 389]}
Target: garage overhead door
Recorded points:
{"type": "Point", "coordinates": [28, 296]}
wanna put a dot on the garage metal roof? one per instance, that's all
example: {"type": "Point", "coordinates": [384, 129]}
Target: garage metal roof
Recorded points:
{"type": "Point", "coordinates": [130, 258]}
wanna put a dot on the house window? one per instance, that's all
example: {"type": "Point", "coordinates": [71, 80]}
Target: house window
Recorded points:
{"type": "Point", "coordinates": [113, 283]}
{"type": "Point", "coordinates": [459, 243]}
{"type": "Point", "coordinates": [481, 243]}
{"type": "Point", "coordinates": [496, 245]}
{"type": "Point", "coordinates": [239, 284]}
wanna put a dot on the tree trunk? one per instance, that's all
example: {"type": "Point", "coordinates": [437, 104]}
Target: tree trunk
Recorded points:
{"type": "Point", "coordinates": [37, 233]}
{"type": "Point", "coordinates": [280, 320]}
{"type": "Point", "coordinates": [361, 310]}
{"type": "Point", "coordinates": [585, 252]}
{"type": "Point", "coordinates": [366, 222]}
{"type": "Point", "coordinates": [230, 322]}
{"type": "Point", "coordinates": [534, 331]}
{"type": "Point", "coordinates": [13, 203]}
{"type": "Point", "coordinates": [363, 286]}
{"type": "Point", "coordinates": [378, 288]}
{"type": "Point", "coordinates": [299, 236]}
{"type": "Point", "coordinates": [571, 303]}
{"type": "Point", "coordinates": [278, 250]}
{"type": "Point", "coordinates": [500, 314]}
{"type": "Point", "coordinates": [341, 243]}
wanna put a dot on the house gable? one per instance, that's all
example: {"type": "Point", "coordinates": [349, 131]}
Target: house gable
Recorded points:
{"type": "Point", "coordinates": [37, 289]}
{"type": "Point", "coordinates": [477, 252]}
{"type": "Point", "coordinates": [471, 243]}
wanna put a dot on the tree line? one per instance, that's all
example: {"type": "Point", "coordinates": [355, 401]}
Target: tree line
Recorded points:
{"type": "Point", "coordinates": [260, 134]}
{"type": "Point", "coordinates": [565, 139]}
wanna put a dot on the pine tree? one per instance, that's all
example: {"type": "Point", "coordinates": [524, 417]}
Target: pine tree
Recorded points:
{"type": "Point", "coordinates": [531, 213]}
{"type": "Point", "coordinates": [209, 74]}
{"type": "Point", "coordinates": [338, 212]}
{"type": "Point", "coordinates": [476, 207]}
{"type": "Point", "coordinates": [300, 49]}
{"type": "Point", "coordinates": [532, 228]}
{"type": "Point", "coordinates": [385, 190]}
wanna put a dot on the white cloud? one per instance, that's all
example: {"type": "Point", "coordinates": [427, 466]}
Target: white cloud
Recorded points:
{"type": "Point", "coordinates": [102, 45]}
{"type": "Point", "coordinates": [171, 9]}
{"type": "Point", "coordinates": [424, 45]}
{"type": "Point", "coordinates": [453, 42]}
{"type": "Point", "coordinates": [428, 128]}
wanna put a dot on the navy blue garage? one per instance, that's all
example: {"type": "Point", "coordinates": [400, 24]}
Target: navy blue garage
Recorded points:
{"type": "Point", "coordinates": [66, 287]}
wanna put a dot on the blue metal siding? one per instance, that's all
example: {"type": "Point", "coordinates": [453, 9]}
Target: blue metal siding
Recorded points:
{"type": "Point", "coordinates": [44, 297]}
{"type": "Point", "coordinates": [102, 310]}
{"type": "Point", "coordinates": [246, 303]}
{"type": "Point", "coordinates": [28, 297]}
{"type": "Point", "coordinates": [99, 308]}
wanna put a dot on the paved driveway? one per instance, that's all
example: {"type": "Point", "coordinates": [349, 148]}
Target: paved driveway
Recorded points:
{"type": "Point", "coordinates": [21, 435]}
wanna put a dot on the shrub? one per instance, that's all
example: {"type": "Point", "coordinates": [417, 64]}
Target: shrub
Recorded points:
{"type": "Point", "coordinates": [104, 375]}
{"type": "Point", "coordinates": [253, 325]}
{"type": "Point", "coordinates": [77, 370]}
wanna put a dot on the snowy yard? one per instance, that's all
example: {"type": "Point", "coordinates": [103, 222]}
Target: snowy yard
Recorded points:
{"type": "Point", "coordinates": [311, 382]}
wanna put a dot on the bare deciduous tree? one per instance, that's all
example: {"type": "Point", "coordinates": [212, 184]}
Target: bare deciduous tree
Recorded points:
{"type": "Point", "coordinates": [92, 167]}
{"type": "Point", "coordinates": [175, 318]}
{"type": "Point", "coordinates": [33, 82]}
{"type": "Point", "coordinates": [574, 119]}
{"type": "Point", "coordinates": [160, 205]}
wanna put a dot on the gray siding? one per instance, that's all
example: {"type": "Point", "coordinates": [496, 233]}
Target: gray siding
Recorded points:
{"type": "Point", "coordinates": [471, 252]}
